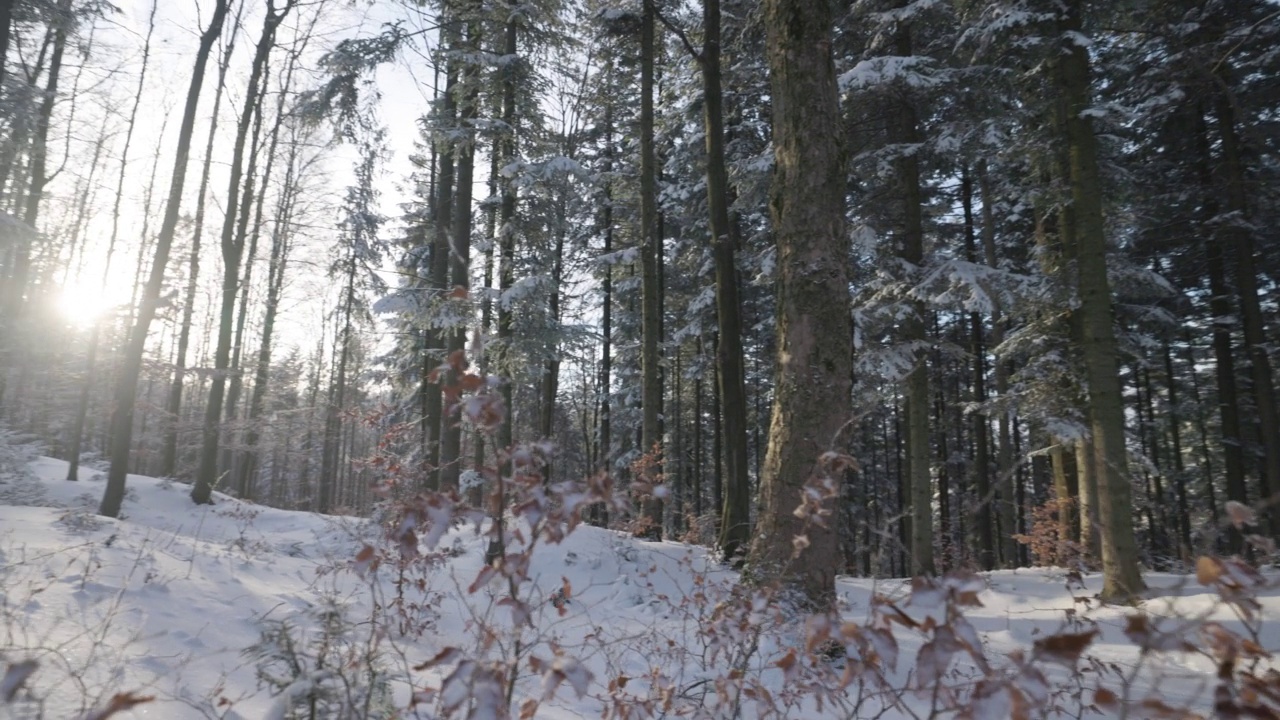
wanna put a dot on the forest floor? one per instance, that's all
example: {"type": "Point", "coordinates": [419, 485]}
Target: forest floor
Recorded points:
{"type": "Point", "coordinates": [172, 602]}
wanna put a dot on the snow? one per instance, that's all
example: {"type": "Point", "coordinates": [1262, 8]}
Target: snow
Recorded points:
{"type": "Point", "coordinates": [914, 71]}
{"type": "Point", "coordinates": [190, 604]}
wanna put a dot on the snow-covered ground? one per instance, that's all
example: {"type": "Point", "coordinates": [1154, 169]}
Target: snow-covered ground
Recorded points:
{"type": "Point", "coordinates": [173, 601]}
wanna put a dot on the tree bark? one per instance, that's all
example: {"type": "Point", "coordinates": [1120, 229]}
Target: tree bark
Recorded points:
{"type": "Point", "coordinates": [6, 23]}
{"type": "Point", "coordinates": [1121, 576]}
{"type": "Point", "coordinates": [919, 447]}
{"type": "Point", "coordinates": [650, 247]}
{"type": "Point", "coordinates": [1006, 510]}
{"type": "Point", "coordinates": [735, 525]}
{"type": "Point", "coordinates": [169, 453]}
{"type": "Point", "coordinates": [814, 359]}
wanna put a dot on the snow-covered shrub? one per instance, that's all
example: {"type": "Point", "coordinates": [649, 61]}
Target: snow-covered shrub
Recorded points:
{"type": "Point", "coordinates": [325, 666]}
{"type": "Point", "coordinates": [81, 521]}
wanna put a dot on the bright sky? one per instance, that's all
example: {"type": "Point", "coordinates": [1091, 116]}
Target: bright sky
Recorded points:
{"type": "Point", "coordinates": [118, 44]}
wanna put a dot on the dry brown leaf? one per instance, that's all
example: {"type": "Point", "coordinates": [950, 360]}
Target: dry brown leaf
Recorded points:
{"type": "Point", "coordinates": [1208, 570]}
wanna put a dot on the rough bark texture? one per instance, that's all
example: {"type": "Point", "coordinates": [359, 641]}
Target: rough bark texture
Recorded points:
{"type": "Point", "coordinates": [507, 239]}
{"type": "Point", "coordinates": [1122, 578]}
{"type": "Point", "coordinates": [813, 323]}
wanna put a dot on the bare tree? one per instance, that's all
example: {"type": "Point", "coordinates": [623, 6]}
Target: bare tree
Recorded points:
{"type": "Point", "coordinates": [131, 367]}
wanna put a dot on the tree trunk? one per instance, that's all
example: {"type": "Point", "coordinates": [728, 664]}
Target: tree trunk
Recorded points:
{"type": "Point", "coordinates": [650, 247]}
{"type": "Point", "coordinates": [1175, 450]}
{"type": "Point", "coordinates": [1224, 356]}
{"type": "Point", "coordinates": [232, 251]}
{"type": "Point", "coordinates": [331, 454]}
{"type": "Point", "coordinates": [919, 447]}
{"type": "Point", "coordinates": [1122, 578]}
{"type": "Point", "coordinates": [1006, 510]}
{"type": "Point", "coordinates": [131, 366]}
{"type": "Point", "coordinates": [606, 300]}
{"type": "Point", "coordinates": [169, 453]}
{"type": "Point", "coordinates": [82, 407]}
{"type": "Point", "coordinates": [442, 213]}
{"type": "Point", "coordinates": [39, 172]}
{"type": "Point", "coordinates": [281, 239]}
{"type": "Point", "coordinates": [735, 526]}
{"type": "Point", "coordinates": [254, 195]}
{"type": "Point", "coordinates": [460, 252]}
{"type": "Point", "coordinates": [981, 429]}
{"type": "Point", "coordinates": [1236, 230]}
{"type": "Point", "coordinates": [6, 22]}
{"type": "Point", "coordinates": [813, 323]}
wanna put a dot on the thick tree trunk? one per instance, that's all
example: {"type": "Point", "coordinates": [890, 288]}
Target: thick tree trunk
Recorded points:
{"type": "Point", "coordinates": [1122, 578]}
{"type": "Point", "coordinates": [131, 366]}
{"type": "Point", "coordinates": [813, 323]}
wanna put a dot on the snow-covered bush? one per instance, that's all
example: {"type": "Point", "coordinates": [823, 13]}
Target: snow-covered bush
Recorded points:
{"type": "Point", "coordinates": [323, 666]}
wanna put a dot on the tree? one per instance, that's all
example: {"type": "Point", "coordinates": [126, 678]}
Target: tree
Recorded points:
{"type": "Point", "coordinates": [233, 240]}
{"type": "Point", "coordinates": [1122, 578]}
{"type": "Point", "coordinates": [650, 247]}
{"type": "Point", "coordinates": [813, 322]}
{"type": "Point", "coordinates": [127, 385]}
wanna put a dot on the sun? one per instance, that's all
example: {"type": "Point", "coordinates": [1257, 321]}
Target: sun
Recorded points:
{"type": "Point", "coordinates": [82, 304]}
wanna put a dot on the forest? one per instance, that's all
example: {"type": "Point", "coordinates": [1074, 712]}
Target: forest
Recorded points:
{"type": "Point", "coordinates": [977, 284]}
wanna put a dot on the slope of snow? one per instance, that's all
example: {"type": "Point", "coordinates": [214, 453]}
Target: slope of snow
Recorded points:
{"type": "Point", "coordinates": [167, 601]}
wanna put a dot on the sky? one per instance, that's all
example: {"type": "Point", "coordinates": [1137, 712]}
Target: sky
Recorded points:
{"type": "Point", "coordinates": [111, 74]}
